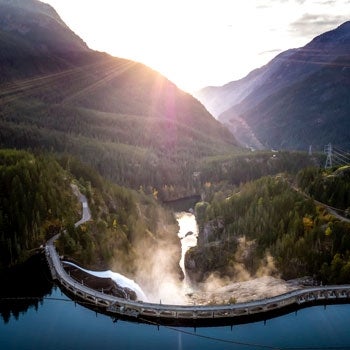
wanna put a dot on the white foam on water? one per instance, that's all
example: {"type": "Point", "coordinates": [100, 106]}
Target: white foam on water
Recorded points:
{"type": "Point", "coordinates": [119, 279]}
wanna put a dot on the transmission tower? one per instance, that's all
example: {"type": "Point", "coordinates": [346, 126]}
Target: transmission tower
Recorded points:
{"type": "Point", "coordinates": [310, 150]}
{"type": "Point", "coordinates": [328, 151]}
{"type": "Point", "coordinates": [336, 156]}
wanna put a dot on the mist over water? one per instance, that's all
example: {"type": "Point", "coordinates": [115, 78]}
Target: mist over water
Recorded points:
{"type": "Point", "coordinates": [158, 279]}
{"type": "Point", "coordinates": [160, 275]}
{"type": "Point", "coordinates": [167, 288]}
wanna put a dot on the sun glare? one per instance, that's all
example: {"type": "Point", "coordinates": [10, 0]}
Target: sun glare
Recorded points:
{"type": "Point", "coordinates": [177, 38]}
{"type": "Point", "coordinates": [193, 43]}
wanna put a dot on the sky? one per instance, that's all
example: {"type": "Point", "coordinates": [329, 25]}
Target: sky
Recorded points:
{"type": "Point", "coordinates": [198, 43]}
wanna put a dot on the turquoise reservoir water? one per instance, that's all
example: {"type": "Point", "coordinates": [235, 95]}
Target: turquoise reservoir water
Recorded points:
{"type": "Point", "coordinates": [58, 323]}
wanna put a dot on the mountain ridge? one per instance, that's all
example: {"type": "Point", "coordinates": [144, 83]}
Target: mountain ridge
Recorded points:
{"type": "Point", "coordinates": [27, 18]}
{"type": "Point", "coordinates": [288, 69]}
{"type": "Point", "coordinates": [148, 131]}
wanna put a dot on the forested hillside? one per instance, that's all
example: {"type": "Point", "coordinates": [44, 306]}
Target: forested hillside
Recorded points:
{"type": "Point", "coordinates": [331, 186]}
{"type": "Point", "coordinates": [128, 230]}
{"type": "Point", "coordinates": [122, 118]}
{"type": "Point", "coordinates": [266, 221]}
{"type": "Point", "coordinates": [299, 98]}
{"type": "Point", "coordinates": [129, 139]}
{"type": "Point", "coordinates": [37, 201]}
{"type": "Point", "coordinates": [238, 168]}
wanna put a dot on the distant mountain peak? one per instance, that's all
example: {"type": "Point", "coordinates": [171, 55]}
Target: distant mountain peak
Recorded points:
{"type": "Point", "coordinates": [300, 97]}
{"type": "Point", "coordinates": [39, 24]}
{"type": "Point", "coordinates": [344, 27]}
{"type": "Point", "coordinates": [33, 6]}
{"type": "Point", "coordinates": [332, 38]}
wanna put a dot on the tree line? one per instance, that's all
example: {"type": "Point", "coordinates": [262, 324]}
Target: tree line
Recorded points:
{"type": "Point", "coordinates": [331, 186]}
{"type": "Point", "coordinates": [274, 219]}
{"type": "Point", "coordinates": [37, 201]}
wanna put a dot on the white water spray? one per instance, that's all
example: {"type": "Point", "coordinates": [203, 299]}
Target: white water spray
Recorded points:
{"type": "Point", "coordinates": [188, 234]}
{"type": "Point", "coordinates": [119, 279]}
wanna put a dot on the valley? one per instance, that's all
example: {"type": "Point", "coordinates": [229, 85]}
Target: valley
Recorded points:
{"type": "Point", "coordinates": [133, 145]}
{"type": "Point", "coordinates": [298, 99]}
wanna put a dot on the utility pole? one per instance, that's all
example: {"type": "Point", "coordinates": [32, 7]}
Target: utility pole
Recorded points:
{"type": "Point", "coordinates": [328, 151]}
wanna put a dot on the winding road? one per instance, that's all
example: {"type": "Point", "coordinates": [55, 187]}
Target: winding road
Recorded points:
{"type": "Point", "coordinates": [333, 211]}
{"type": "Point", "coordinates": [86, 211]}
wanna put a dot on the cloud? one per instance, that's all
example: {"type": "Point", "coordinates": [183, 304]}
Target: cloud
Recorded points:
{"type": "Point", "coordinates": [326, 2]}
{"type": "Point", "coordinates": [310, 25]}
{"type": "Point", "coordinates": [265, 4]}
{"type": "Point", "coordinates": [268, 52]}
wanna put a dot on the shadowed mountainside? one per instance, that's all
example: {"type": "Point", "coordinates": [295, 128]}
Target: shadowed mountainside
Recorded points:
{"type": "Point", "coordinates": [126, 120]}
{"type": "Point", "coordinates": [299, 98]}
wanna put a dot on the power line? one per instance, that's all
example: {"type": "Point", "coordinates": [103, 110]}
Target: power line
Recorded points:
{"type": "Point", "coordinates": [221, 340]}
{"type": "Point", "coordinates": [336, 156]}
{"type": "Point", "coordinates": [255, 345]}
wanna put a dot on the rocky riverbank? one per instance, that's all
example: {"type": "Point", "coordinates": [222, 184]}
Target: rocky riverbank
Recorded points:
{"type": "Point", "coordinates": [239, 292]}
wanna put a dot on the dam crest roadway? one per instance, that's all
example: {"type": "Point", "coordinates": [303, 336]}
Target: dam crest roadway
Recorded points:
{"type": "Point", "coordinates": [144, 311]}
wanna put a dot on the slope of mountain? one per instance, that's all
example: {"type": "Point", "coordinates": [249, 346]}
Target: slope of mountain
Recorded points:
{"type": "Point", "coordinates": [121, 117]}
{"type": "Point", "coordinates": [34, 40]}
{"type": "Point", "coordinates": [299, 98]}
{"type": "Point", "coordinates": [267, 221]}
{"type": "Point", "coordinates": [218, 99]}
